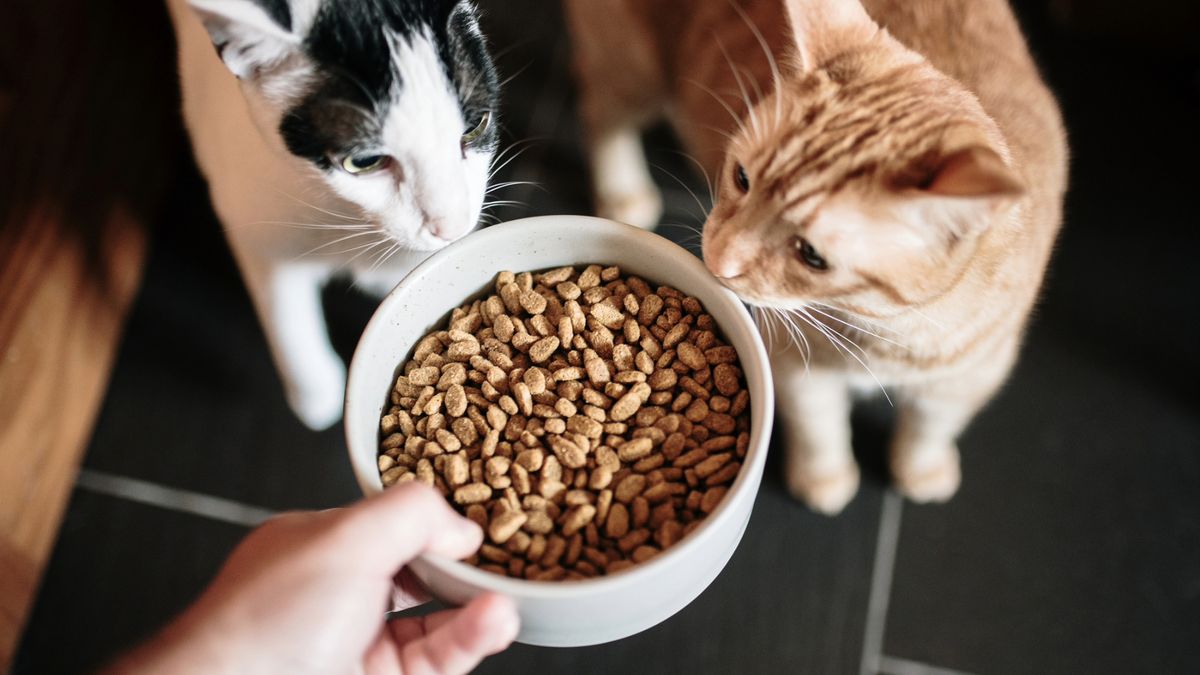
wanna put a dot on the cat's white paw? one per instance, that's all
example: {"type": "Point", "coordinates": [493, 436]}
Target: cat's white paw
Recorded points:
{"type": "Point", "coordinates": [825, 491]}
{"type": "Point", "coordinates": [640, 208]}
{"type": "Point", "coordinates": [319, 399]}
{"type": "Point", "coordinates": [934, 477]}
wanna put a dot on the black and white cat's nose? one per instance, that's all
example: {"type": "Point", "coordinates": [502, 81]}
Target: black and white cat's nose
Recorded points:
{"type": "Point", "coordinates": [439, 229]}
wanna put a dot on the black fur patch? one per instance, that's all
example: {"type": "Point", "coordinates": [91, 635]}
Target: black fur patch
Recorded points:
{"type": "Point", "coordinates": [278, 10]}
{"type": "Point", "coordinates": [348, 42]}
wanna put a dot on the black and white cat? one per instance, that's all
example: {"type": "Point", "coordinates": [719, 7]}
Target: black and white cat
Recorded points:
{"type": "Point", "coordinates": [337, 136]}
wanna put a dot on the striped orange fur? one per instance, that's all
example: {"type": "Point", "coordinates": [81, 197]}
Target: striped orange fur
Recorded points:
{"type": "Point", "coordinates": [888, 178]}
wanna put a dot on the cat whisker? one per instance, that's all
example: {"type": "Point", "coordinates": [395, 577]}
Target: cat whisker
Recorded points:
{"type": "Point", "coordinates": [762, 42]}
{"type": "Point", "coordinates": [742, 89]}
{"type": "Point", "coordinates": [522, 145]}
{"type": "Point", "coordinates": [317, 208]}
{"type": "Point", "coordinates": [865, 319]}
{"type": "Point", "coordinates": [509, 49]}
{"type": "Point", "coordinates": [833, 333]}
{"type": "Point", "coordinates": [691, 228]}
{"type": "Point", "coordinates": [798, 336]}
{"type": "Point", "coordinates": [497, 169]}
{"type": "Point", "coordinates": [764, 326]}
{"type": "Point", "coordinates": [691, 242]}
{"type": "Point", "coordinates": [497, 160]}
{"type": "Point", "coordinates": [375, 260]}
{"type": "Point", "coordinates": [504, 202]}
{"type": "Point", "coordinates": [840, 341]}
{"type": "Point", "coordinates": [740, 124]}
{"type": "Point", "coordinates": [707, 179]}
{"type": "Point", "coordinates": [793, 334]}
{"type": "Point", "coordinates": [765, 318]}
{"type": "Point", "coordinates": [716, 130]}
{"type": "Point", "coordinates": [335, 242]}
{"type": "Point", "coordinates": [768, 318]}
{"type": "Point", "coordinates": [383, 257]}
{"type": "Point", "coordinates": [856, 327]}
{"type": "Point", "coordinates": [789, 333]}
{"type": "Point", "coordinates": [311, 226]}
{"type": "Point", "coordinates": [703, 210]}
{"type": "Point", "coordinates": [498, 157]}
{"type": "Point", "coordinates": [362, 250]}
{"type": "Point", "coordinates": [758, 92]}
{"type": "Point", "coordinates": [499, 186]}
{"type": "Point", "coordinates": [927, 318]}
{"type": "Point", "coordinates": [514, 76]}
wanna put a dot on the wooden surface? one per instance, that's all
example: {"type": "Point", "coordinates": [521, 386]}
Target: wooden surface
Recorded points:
{"type": "Point", "coordinates": [58, 334]}
{"type": "Point", "coordinates": [89, 137]}
{"type": "Point", "coordinates": [1072, 548]}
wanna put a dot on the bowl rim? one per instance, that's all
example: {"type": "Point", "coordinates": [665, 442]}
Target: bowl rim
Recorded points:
{"type": "Point", "coordinates": [762, 405]}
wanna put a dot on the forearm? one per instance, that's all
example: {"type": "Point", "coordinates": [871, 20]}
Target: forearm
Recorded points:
{"type": "Point", "coordinates": [185, 647]}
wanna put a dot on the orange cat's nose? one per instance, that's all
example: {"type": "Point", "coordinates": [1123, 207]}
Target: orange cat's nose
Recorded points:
{"type": "Point", "coordinates": [726, 257]}
{"type": "Point", "coordinates": [723, 266]}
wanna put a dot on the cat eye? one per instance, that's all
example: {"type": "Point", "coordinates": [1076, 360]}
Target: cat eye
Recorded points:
{"type": "Point", "coordinates": [363, 164]}
{"type": "Point", "coordinates": [475, 133]}
{"type": "Point", "coordinates": [741, 179]}
{"type": "Point", "coordinates": [807, 254]}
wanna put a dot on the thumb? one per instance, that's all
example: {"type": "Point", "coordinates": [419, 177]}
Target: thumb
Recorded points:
{"type": "Point", "coordinates": [390, 529]}
{"type": "Point", "coordinates": [456, 640]}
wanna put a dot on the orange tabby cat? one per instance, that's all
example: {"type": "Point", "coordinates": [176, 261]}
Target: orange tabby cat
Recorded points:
{"type": "Point", "coordinates": [889, 183]}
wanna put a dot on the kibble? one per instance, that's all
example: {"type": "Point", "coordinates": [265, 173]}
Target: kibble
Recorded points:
{"type": "Point", "coordinates": [585, 419]}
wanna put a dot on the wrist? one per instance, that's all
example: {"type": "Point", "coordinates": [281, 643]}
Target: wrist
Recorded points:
{"type": "Point", "coordinates": [191, 644]}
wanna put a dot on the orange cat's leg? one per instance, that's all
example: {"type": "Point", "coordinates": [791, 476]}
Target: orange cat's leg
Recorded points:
{"type": "Point", "coordinates": [621, 180]}
{"type": "Point", "coordinates": [620, 92]}
{"type": "Point", "coordinates": [814, 419]}
{"type": "Point", "coordinates": [924, 453]}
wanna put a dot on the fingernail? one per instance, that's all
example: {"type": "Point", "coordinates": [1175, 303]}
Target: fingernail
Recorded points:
{"type": "Point", "coordinates": [506, 620]}
{"type": "Point", "coordinates": [468, 531]}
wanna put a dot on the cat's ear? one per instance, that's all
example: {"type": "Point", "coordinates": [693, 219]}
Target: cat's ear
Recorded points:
{"type": "Point", "coordinates": [250, 36]}
{"type": "Point", "coordinates": [958, 191]}
{"type": "Point", "coordinates": [975, 172]}
{"type": "Point", "coordinates": [822, 28]}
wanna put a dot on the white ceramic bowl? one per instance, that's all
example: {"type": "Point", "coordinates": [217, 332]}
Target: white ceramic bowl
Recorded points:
{"type": "Point", "coordinates": [577, 612]}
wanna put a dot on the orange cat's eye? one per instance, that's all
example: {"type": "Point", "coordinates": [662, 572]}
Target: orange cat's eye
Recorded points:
{"type": "Point", "coordinates": [741, 179]}
{"type": "Point", "coordinates": [807, 254]}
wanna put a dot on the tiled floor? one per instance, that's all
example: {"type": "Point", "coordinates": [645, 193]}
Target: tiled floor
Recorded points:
{"type": "Point", "coordinates": [1074, 546]}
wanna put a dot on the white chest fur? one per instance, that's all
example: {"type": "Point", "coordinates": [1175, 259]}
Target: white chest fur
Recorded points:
{"type": "Point", "coordinates": [288, 231]}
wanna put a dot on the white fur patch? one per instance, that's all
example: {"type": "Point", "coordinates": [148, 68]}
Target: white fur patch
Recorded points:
{"type": "Point", "coordinates": [248, 38]}
{"type": "Point", "coordinates": [847, 233]}
{"type": "Point", "coordinates": [432, 195]}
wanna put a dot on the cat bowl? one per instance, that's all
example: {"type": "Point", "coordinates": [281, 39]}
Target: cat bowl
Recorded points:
{"type": "Point", "coordinates": [563, 613]}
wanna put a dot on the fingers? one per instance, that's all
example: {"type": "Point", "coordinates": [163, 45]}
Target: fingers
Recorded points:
{"type": "Point", "coordinates": [455, 641]}
{"type": "Point", "coordinates": [407, 591]}
{"type": "Point", "coordinates": [392, 528]}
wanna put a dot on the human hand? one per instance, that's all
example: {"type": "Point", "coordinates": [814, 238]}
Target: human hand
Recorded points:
{"type": "Point", "coordinates": [307, 592]}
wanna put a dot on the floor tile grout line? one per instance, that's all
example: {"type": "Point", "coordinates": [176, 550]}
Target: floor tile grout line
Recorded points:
{"type": "Point", "coordinates": [172, 499]}
{"type": "Point", "coordinates": [881, 582]}
{"type": "Point", "coordinates": [894, 665]}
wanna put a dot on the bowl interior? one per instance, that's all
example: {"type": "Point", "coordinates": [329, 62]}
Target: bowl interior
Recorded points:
{"type": "Point", "coordinates": [466, 269]}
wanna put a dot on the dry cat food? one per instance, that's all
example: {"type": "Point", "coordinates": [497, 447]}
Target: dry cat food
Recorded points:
{"type": "Point", "coordinates": [585, 420]}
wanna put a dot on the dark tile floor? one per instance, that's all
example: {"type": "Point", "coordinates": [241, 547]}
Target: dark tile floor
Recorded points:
{"type": "Point", "coordinates": [1074, 546]}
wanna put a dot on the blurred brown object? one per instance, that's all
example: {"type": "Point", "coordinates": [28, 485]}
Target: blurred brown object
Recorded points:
{"type": "Point", "coordinates": [1168, 25]}
{"type": "Point", "coordinates": [90, 133]}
